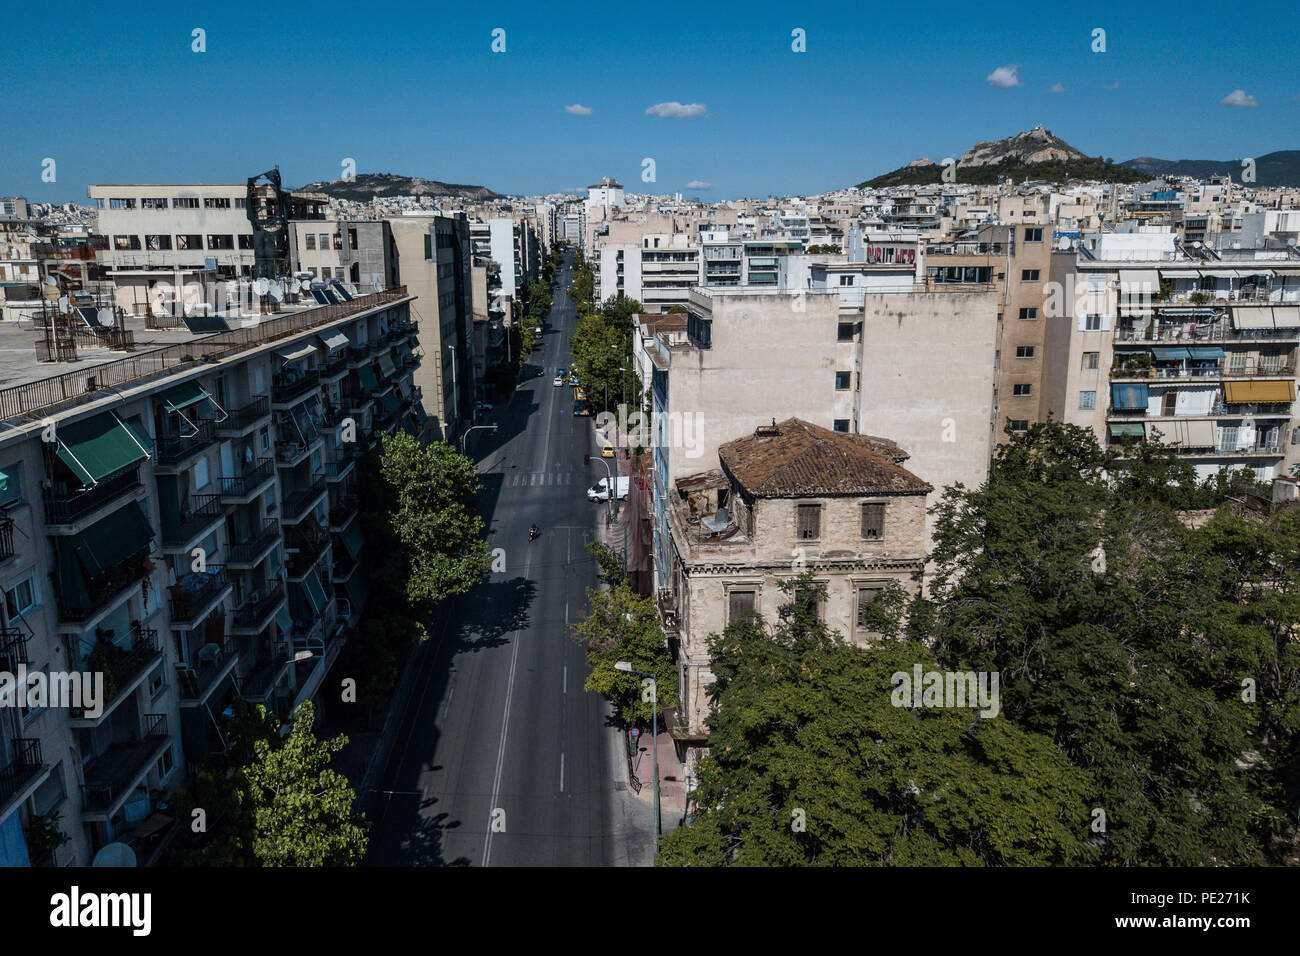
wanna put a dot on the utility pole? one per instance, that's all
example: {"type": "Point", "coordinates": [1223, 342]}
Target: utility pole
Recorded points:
{"type": "Point", "coordinates": [626, 667]}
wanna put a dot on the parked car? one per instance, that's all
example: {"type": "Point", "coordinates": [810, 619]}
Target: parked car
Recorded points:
{"type": "Point", "coordinates": [600, 490]}
{"type": "Point", "coordinates": [607, 451]}
{"type": "Point", "coordinates": [579, 395]}
{"type": "Point", "coordinates": [560, 371]}
{"type": "Point", "coordinates": [582, 408]}
{"type": "Point", "coordinates": [558, 381]}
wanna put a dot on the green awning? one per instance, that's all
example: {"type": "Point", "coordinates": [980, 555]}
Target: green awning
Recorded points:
{"type": "Point", "coordinates": [1128, 397]}
{"type": "Point", "coordinates": [1169, 353]}
{"type": "Point", "coordinates": [409, 425]}
{"type": "Point", "coordinates": [99, 446]}
{"type": "Point", "coordinates": [386, 365]}
{"type": "Point", "coordinates": [404, 351]}
{"type": "Point", "coordinates": [315, 591]}
{"type": "Point", "coordinates": [183, 396]}
{"type": "Point", "coordinates": [390, 402]}
{"type": "Point", "coordinates": [353, 539]}
{"type": "Point", "coordinates": [1127, 430]}
{"type": "Point", "coordinates": [284, 620]}
{"type": "Point", "coordinates": [112, 539]}
{"type": "Point", "coordinates": [1206, 352]}
{"type": "Point", "coordinates": [368, 381]}
{"type": "Point", "coordinates": [4, 481]}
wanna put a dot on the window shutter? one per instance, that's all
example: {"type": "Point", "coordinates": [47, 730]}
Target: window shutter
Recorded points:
{"type": "Point", "coordinates": [1083, 321]}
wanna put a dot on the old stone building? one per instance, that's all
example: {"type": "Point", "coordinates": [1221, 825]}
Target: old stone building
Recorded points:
{"type": "Point", "coordinates": [789, 496]}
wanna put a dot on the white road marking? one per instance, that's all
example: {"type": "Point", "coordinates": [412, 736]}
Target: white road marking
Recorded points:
{"type": "Point", "coordinates": [505, 726]}
{"type": "Point", "coordinates": [561, 773]}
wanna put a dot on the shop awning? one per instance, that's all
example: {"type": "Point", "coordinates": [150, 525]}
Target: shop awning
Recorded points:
{"type": "Point", "coordinates": [296, 352]}
{"type": "Point", "coordinates": [99, 446]}
{"type": "Point", "coordinates": [1127, 430]}
{"type": "Point", "coordinates": [1258, 392]}
{"type": "Point", "coordinates": [1170, 353]}
{"type": "Point", "coordinates": [353, 540]}
{"type": "Point", "coordinates": [1247, 318]}
{"type": "Point", "coordinates": [368, 380]}
{"type": "Point", "coordinates": [386, 365]}
{"type": "Point", "coordinates": [112, 539]}
{"type": "Point", "coordinates": [1206, 352]}
{"type": "Point", "coordinates": [1129, 397]}
{"type": "Point", "coordinates": [335, 341]}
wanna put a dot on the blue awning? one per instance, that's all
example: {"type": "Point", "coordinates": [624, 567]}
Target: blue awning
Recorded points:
{"type": "Point", "coordinates": [1169, 353]}
{"type": "Point", "coordinates": [1206, 352]}
{"type": "Point", "coordinates": [1128, 397]}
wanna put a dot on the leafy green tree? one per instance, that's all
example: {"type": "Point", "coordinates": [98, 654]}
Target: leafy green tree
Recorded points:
{"type": "Point", "coordinates": [623, 626]}
{"type": "Point", "coordinates": [812, 763]}
{"type": "Point", "coordinates": [609, 561]}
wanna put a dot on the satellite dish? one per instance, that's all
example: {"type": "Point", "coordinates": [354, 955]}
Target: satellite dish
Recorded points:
{"type": "Point", "coordinates": [105, 317]}
{"type": "Point", "coordinates": [261, 285]}
{"type": "Point", "coordinates": [115, 854]}
{"type": "Point", "coordinates": [277, 292]}
{"type": "Point", "coordinates": [49, 280]}
{"type": "Point", "coordinates": [378, 287]}
{"type": "Point", "coordinates": [65, 306]}
{"type": "Point", "coordinates": [1209, 243]}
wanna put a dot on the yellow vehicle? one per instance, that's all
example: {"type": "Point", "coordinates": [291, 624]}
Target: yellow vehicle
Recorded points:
{"type": "Point", "coordinates": [579, 394]}
{"type": "Point", "coordinates": [607, 451]}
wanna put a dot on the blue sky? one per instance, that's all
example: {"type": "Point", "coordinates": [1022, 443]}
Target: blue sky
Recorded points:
{"type": "Point", "coordinates": [118, 95]}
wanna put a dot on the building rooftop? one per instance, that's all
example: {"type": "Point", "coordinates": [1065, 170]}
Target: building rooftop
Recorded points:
{"type": "Point", "coordinates": [797, 459]}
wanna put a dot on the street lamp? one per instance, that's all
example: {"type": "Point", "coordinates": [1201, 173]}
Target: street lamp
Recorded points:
{"type": "Point", "coordinates": [613, 491]}
{"type": "Point", "coordinates": [626, 667]}
{"type": "Point", "coordinates": [470, 429]}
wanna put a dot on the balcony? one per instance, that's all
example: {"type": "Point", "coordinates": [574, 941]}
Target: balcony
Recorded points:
{"type": "Point", "coordinates": [104, 590]}
{"type": "Point", "coordinates": [19, 776]}
{"type": "Point", "coordinates": [240, 489]}
{"type": "Point", "coordinates": [343, 512]}
{"type": "Point", "coordinates": [124, 669]}
{"type": "Point", "coordinates": [216, 661]}
{"type": "Point", "coordinates": [114, 774]}
{"type": "Point", "coordinates": [302, 501]}
{"type": "Point", "coordinates": [252, 550]}
{"type": "Point", "coordinates": [243, 420]}
{"type": "Point", "coordinates": [293, 452]}
{"type": "Point", "coordinates": [6, 538]}
{"type": "Point", "coordinates": [304, 544]}
{"type": "Point", "coordinates": [67, 508]}
{"type": "Point", "coordinates": [1193, 333]}
{"type": "Point", "coordinates": [336, 469]}
{"type": "Point", "coordinates": [266, 673]}
{"type": "Point", "coordinates": [286, 389]}
{"type": "Point", "coordinates": [196, 594]}
{"type": "Point", "coordinates": [257, 608]}
{"type": "Point", "coordinates": [202, 513]}
{"type": "Point", "coordinates": [13, 649]}
{"type": "Point", "coordinates": [1158, 373]}
{"type": "Point", "coordinates": [172, 452]}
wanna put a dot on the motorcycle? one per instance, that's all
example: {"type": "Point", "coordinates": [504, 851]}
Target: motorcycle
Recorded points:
{"type": "Point", "coordinates": [533, 532]}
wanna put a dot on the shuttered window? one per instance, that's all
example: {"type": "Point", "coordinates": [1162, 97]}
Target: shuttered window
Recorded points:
{"type": "Point", "coordinates": [810, 522]}
{"type": "Point", "coordinates": [873, 520]}
{"type": "Point", "coordinates": [739, 603]}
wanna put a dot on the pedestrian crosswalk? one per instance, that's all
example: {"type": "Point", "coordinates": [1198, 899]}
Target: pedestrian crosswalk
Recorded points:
{"type": "Point", "coordinates": [518, 479]}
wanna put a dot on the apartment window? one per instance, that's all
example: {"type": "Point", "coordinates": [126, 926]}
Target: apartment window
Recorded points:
{"type": "Point", "coordinates": [11, 496]}
{"type": "Point", "coordinates": [1034, 235]}
{"type": "Point", "coordinates": [1028, 275]}
{"type": "Point", "coordinates": [1024, 351]}
{"type": "Point", "coordinates": [1022, 389]}
{"type": "Point", "coordinates": [1096, 283]}
{"type": "Point", "coordinates": [739, 603]}
{"type": "Point", "coordinates": [324, 241]}
{"type": "Point", "coordinates": [121, 204]}
{"type": "Point", "coordinates": [311, 241]}
{"type": "Point", "coordinates": [165, 763]}
{"type": "Point", "coordinates": [158, 243]}
{"type": "Point", "coordinates": [1029, 314]}
{"type": "Point", "coordinates": [873, 519]}
{"type": "Point", "coordinates": [806, 598]}
{"type": "Point", "coordinates": [325, 272]}
{"type": "Point", "coordinates": [866, 597]}
{"type": "Point", "coordinates": [216, 202]}
{"type": "Point", "coordinates": [186, 243]}
{"type": "Point", "coordinates": [842, 425]}
{"type": "Point", "coordinates": [846, 280]}
{"type": "Point", "coordinates": [158, 680]}
{"type": "Point", "coordinates": [1087, 399]}
{"type": "Point", "coordinates": [1091, 360]}
{"type": "Point", "coordinates": [312, 270]}
{"type": "Point", "coordinates": [150, 202]}
{"type": "Point", "coordinates": [1092, 323]}
{"type": "Point", "coordinates": [1018, 424]}
{"type": "Point", "coordinates": [245, 240]}
{"type": "Point", "coordinates": [126, 242]}
{"type": "Point", "coordinates": [221, 242]}
{"type": "Point", "coordinates": [843, 380]}
{"type": "Point", "coordinates": [809, 522]}
{"type": "Point", "coordinates": [241, 203]}
{"type": "Point", "coordinates": [185, 202]}
{"type": "Point", "coordinates": [338, 241]}
{"type": "Point", "coordinates": [22, 597]}
{"type": "Point", "coordinates": [352, 238]}
{"type": "Point", "coordinates": [845, 332]}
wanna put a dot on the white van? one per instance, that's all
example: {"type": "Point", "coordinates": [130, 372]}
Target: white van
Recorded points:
{"type": "Point", "coordinates": [600, 490]}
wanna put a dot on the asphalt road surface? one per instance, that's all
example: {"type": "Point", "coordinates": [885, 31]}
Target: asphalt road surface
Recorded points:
{"type": "Point", "coordinates": [502, 759]}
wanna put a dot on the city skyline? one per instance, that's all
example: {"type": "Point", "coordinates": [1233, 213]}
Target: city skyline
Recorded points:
{"type": "Point", "coordinates": [707, 104]}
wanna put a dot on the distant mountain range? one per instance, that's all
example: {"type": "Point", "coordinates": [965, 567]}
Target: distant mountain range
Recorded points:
{"type": "Point", "coordinates": [1281, 168]}
{"type": "Point", "coordinates": [367, 186]}
{"type": "Point", "coordinates": [1035, 154]}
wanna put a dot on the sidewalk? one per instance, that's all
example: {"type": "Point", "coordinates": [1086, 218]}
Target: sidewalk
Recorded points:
{"type": "Point", "coordinates": [672, 779]}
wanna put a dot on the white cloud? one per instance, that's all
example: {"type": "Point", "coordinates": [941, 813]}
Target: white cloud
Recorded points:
{"type": "Point", "coordinates": [1003, 78]}
{"type": "Point", "coordinates": [577, 109]}
{"type": "Point", "coordinates": [1112, 86]}
{"type": "Point", "coordinates": [1239, 98]}
{"type": "Point", "coordinates": [1056, 88]}
{"type": "Point", "coordinates": [699, 184]}
{"type": "Point", "coordinates": [677, 110]}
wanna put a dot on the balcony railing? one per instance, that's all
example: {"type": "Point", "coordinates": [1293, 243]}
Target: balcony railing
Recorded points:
{"type": "Point", "coordinates": [27, 762]}
{"type": "Point", "coordinates": [173, 449]}
{"type": "Point", "coordinates": [297, 502]}
{"type": "Point", "coordinates": [1231, 370]}
{"type": "Point", "coordinates": [196, 681]}
{"type": "Point", "coordinates": [306, 546]}
{"type": "Point", "coordinates": [127, 664]}
{"type": "Point", "coordinates": [62, 507]}
{"type": "Point", "coordinates": [203, 511]}
{"type": "Point", "coordinates": [258, 605]}
{"type": "Point", "coordinates": [247, 550]}
{"type": "Point", "coordinates": [6, 537]}
{"type": "Point", "coordinates": [102, 589]}
{"type": "Point", "coordinates": [1193, 333]}
{"type": "Point", "coordinates": [195, 592]}
{"type": "Point", "coordinates": [268, 667]}
{"type": "Point", "coordinates": [242, 486]}
{"type": "Point", "coordinates": [13, 649]}
{"type": "Point", "coordinates": [243, 418]}
{"type": "Point", "coordinates": [285, 389]}
{"type": "Point", "coordinates": [342, 512]}
{"type": "Point", "coordinates": [114, 772]}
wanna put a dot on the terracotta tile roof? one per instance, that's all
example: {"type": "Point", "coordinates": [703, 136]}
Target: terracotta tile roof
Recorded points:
{"type": "Point", "coordinates": [798, 459]}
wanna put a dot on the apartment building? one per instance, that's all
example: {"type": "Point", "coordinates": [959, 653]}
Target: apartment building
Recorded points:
{"type": "Point", "coordinates": [360, 252]}
{"type": "Point", "coordinates": [1198, 350]}
{"type": "Point", "coordinates": [790, 495]}
{"type": "Point", "coordinates": [659, 272]}
{"type": "Point", "coordinates": [184, 522]}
